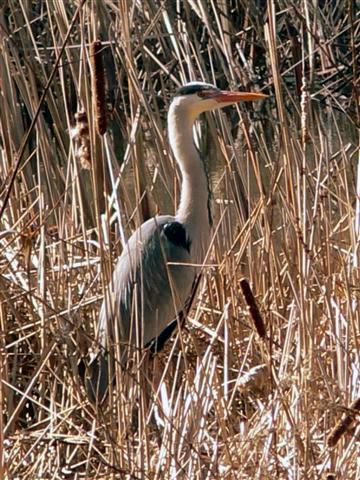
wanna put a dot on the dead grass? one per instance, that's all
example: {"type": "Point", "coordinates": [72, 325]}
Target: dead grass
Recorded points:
{"type": "Point", "coordinates": [229, 404]}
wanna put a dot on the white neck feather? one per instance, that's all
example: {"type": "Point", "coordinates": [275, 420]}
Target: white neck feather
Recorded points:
{"type": "Point", "coordinates": [193, 209]}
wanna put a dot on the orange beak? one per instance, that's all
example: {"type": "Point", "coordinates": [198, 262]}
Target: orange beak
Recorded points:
{"type": "Point", "coordinates": [234, 97]}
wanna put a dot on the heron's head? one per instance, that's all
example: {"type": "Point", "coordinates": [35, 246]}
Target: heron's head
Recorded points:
{"type": "Point", "coordinates": [199, 97]}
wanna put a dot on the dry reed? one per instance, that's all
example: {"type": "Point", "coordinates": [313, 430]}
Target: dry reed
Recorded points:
{"type": "Point", "coordinates": [285, 178]}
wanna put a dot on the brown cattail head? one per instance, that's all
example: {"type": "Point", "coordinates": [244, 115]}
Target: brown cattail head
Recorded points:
{"type": "Point", "coordinates": [344, 424]}
{"type": "Point", "coordinates": [80, 134]}
{"type": "Point", "coordinates": [253, 308]}
{"type": "Point", "coordinates": [98, 85]}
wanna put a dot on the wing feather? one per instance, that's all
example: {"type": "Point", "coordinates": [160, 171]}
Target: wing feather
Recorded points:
{"type": "Point", "coordinates": [151, 283]}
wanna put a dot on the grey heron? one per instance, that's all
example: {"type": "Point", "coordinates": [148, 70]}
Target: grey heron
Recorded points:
{"type": "Point", "coordinates": [155, 273]}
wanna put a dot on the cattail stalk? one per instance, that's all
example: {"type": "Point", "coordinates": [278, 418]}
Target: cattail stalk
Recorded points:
{"type": "Point", "coordinates": [344, 424]}
{"type": "Point", "coordinates": [253, 308]}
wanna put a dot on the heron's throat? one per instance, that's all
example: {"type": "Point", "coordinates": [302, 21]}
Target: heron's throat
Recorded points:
{"type": "Point", "coordinates": [193, 210]}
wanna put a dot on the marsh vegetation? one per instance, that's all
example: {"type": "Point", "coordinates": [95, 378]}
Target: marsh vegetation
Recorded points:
{"type": "Point", "coordinates": [228, 404]}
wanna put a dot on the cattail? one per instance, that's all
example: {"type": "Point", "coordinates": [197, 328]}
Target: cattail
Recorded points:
{"type": "Point", "coordinates": [344, 424]}
{"type": "Point", "coordinates": [81, 136]}
{"type": "Point", "coordinates": [253, 308]}
{"type": "Point", "coordinates": [98, 85]}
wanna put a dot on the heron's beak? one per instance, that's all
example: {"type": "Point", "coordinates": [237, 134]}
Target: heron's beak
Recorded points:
{"type": "Point", "coordinates": [235, 97]}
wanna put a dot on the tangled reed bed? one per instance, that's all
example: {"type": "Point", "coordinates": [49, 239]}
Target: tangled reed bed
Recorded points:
{"type": "Point", "coordinates": [84, 159]}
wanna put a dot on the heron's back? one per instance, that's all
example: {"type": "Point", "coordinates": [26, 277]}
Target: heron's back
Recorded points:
{"type": "Point", "coordinates": [151, 283]}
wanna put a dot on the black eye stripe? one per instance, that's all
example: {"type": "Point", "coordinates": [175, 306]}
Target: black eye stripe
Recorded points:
{"type": "Point", "coordinates": [194, 88]}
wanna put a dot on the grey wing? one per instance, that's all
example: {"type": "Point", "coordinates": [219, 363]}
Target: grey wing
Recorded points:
{"type": "Point", "coordinates": [151, 283]}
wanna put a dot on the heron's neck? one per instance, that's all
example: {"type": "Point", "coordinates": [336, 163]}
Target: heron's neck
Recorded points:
{"type": "Point", "coordinates": [193, 210]}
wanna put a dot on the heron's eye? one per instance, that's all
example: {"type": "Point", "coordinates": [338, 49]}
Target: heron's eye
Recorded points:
{"type": "Point", "coordinates": [206, 93]}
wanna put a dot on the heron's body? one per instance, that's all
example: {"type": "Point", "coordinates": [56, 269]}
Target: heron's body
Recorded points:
{"type": "Point", "coordinates": [159, 246]}
{"type": "Point", "coordinates": [155, 273]}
